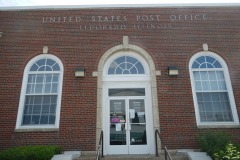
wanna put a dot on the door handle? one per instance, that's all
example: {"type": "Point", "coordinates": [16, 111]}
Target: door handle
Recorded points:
{"type": "Point", "coordinates": [128, 127]}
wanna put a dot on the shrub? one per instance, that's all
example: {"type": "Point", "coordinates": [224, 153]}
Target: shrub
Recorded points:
{"type": "Point", "coordinates": [212, 142]}
{"type": "Point", "coordinates": [230, 153]}
{"type": "Point", "coordinates": [238, 146]}
{"type": "Point", "coordinates": [30, 153]}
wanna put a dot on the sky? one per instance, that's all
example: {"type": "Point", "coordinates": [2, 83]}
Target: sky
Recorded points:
{"type": "Point", "coordinates": [13, 3]}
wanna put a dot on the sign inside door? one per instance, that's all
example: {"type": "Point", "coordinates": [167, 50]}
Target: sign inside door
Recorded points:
{"type": "Point", "coordinates": [137, 106]}
{"type": "Point", "coordinates": [132, 113]}
{"type": "Point", "coordinates": [118, 127]}
{"type": "Point", "coordinates": [115, 120]}
{"type": "Point", "coordinates": [117, 107]}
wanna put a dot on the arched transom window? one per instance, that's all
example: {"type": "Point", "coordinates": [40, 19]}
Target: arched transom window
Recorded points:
{"type": "Point", "coordinates": [212, 89]}
{"type": "Point", "coordinates": [41, 92]}
{"type": "Point", "coordinates": [126, 65]}
{"type": "Point", "coordinates": [206, 62]}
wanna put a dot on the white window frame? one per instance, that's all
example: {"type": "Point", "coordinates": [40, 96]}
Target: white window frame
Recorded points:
{"type": "Point", "coordinates": [229, 89]}
{"type": "Point", "coordinates": [19, 126]}
{"type": "Point", "coordinates": [129, 77]}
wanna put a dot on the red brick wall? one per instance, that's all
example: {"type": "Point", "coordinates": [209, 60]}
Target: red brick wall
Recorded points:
{"type": "Point", "coordinates": [24, 35]}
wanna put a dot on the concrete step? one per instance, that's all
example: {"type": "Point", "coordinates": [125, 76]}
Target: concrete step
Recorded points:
{"type": "Point", "coordinates": [194, 154]}
{"type": "Point", "coordinates": [133, 157]}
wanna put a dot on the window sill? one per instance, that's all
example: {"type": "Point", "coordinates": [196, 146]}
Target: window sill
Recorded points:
{"type": "Point", "coordinates": [37, 130]}
{"type": "Point", "coordinates": [218, 126]}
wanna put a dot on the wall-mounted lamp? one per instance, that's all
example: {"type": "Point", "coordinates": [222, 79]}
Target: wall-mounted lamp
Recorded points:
{"type": "Point", "coordinates": [80, 72]}
{"type": "Point", "coordinates": [172, 71]}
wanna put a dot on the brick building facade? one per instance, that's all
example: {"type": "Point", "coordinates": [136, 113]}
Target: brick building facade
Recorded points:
{"type": "Point", "coordinates": [203, 43]}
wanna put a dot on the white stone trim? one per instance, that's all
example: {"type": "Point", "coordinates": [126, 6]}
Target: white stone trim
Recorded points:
{"type": "Point", "coordinates": [37, 130]}
{"type": "Point", "coordinates": [94, 74]}
{"type": "Point", "coordinates": [219, 126]}
{"type": "Point", "coordinates": [125, 41]}
{"type": "Point", "coordinates": [158, 73]}
{"type": "Point", "coordinates": [205, 47]}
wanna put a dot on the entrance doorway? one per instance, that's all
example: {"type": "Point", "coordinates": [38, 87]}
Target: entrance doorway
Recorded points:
{"type": "Point", "coordinates": [128, 124]}
{"type": "Point", "coordinates": [127, 120]}
{"type": "Point", "coordinates": [127, 117]}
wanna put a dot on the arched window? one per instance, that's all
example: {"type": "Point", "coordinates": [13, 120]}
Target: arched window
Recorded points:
{"type": "Point", "coordinates": [212, 90]}
{"type": "Point", "coordinates": [126, 65]}
{"type": "Point", "coordinates": [41, 93]}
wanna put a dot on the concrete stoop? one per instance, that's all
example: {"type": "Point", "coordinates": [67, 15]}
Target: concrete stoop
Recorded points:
{"type": "Point", "coordinates": [179, 155]}
{"type": "Point", "coordinates": [68, 155]}
{"type": "Point", "coordinates": [194, 155]}
{"type": "Point", "coordinates": [62, 157]}
{"type": "Point", "coordinates": [132, 157]}
{"type": "Point", "coordinates": [198, 156]}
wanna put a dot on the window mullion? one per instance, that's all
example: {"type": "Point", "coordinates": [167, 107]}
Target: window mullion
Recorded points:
{"type": "Point", "coordinates": [200, 75]}
{"type": "Point", "coordinates": [213, 112]}
{"type": "Point", "coordinates": [32, 110]}
{"type": "Point", "coordinates": [124, 63]}
{"type": "Point", "coordinates": [40, 114]}
{"type": "Point", "coordinates": [49, 109]}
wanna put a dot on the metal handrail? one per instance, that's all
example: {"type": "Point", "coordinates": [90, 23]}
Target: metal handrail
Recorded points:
{"type": "Point", "coordinates": [100, 144]}
{"type": "Point", "coordinates": [156, 144]}
{"type": "Point", "coordinates": [166, 153]}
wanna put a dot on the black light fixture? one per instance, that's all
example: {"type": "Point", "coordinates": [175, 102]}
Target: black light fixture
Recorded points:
{"type": "Point", "coordinates": [172, 71]}
{"type": "Point", "coordinates": [80, 72]}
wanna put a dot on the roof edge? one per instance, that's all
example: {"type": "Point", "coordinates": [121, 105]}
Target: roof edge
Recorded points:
{"type": "Point", "coordinates": [109, 6]}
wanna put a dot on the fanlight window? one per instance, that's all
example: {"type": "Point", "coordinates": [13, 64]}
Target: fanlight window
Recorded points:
{"type": "Point", "coordinates": [126, 65]}
{"type": "Point", "coordinates": [211, 90]}
{"type": "Point", "coordinates": [45, 65]}
{"type": "Point", "coordinates": [206, 62]}
{"type": "Point", "coordinates": [41, 93]}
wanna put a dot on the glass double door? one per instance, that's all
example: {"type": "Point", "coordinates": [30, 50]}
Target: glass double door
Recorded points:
{"type": "Point", "coordinates": [127, 126]}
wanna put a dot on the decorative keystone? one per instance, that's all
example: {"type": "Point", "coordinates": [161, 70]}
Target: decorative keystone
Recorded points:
{"type": "Point", "coordinates": [205, 47]}
{"type": "Point", "coordinates": [45, 50]}
{"type": "Point", "coordinates": [125, 41]}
